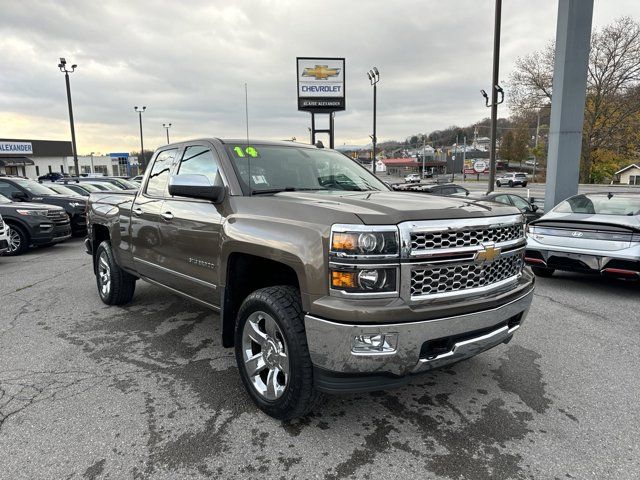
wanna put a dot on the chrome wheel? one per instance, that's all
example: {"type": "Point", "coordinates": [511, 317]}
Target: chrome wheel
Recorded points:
{"type": "Point", "coordinates": [265, 355]}
{"type": "Point", "coordinates": [104, 274]}
{"type": "Point", "coordinates": [15, 242]}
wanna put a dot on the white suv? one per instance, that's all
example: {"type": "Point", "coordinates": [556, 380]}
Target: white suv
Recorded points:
{"type": "Point", "coordinates": [412, 178]}
{"type": "Point", "coordinates": [4, 237]}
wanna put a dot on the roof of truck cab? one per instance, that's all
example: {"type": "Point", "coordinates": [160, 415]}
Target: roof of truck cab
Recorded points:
{"type": "Point", "coordinates": [243, 141]}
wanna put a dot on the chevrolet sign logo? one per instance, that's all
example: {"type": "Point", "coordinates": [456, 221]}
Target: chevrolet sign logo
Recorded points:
{"type": "Point", "coordinates": [321, 72]}
{"type": "Point", "coordinates": [488, 253]}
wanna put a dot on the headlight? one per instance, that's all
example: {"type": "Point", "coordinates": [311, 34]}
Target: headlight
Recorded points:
{"type": "Point", "coordinates": [364, 241]}
{"type": "Point", "coordinates": [35, 213]}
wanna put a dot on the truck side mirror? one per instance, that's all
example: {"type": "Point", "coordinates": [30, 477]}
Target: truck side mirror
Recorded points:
{"type": "Point", "coordinates": [534, 207]}
{"type": "Point", "coordinates": [197, 186]}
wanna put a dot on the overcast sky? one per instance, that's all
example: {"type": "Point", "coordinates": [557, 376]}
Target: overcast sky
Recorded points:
{"type": "Point", "coordinates": [188, 64]}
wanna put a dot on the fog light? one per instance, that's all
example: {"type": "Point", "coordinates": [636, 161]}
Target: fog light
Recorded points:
{"type": "Point", "coordinates": [374, 343]}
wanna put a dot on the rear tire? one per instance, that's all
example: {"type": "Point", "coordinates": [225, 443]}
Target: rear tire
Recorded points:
{"type": "Point", "coordinates": [272, 353]}
{"type": "Point", "coordinates": [115, 286]}
{"type": "Point", "coordinates": [524, 184]}
{"type": "Point", "coordinates": [18, 240]}
{"type": "Point", "coordinates": [542, 271]}
{"type": "Point", "coordinates": [510, 184]}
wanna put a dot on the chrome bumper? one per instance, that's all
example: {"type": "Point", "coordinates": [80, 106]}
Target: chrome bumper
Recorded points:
{"type": "Point", "coordinates": [330, 342]}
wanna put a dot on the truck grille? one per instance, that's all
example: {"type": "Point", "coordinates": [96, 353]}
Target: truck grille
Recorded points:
{"type": "Point", "coordinates": [464, 238]}
{"type": "Point", "coordinates": [440, 279]}
{"type": "Point", "coordinates": [58, 217]}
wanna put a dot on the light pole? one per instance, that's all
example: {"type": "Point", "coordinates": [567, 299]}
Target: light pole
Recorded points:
{"type": "Point", "coordinates": [142, 160]}
{"type": "Point", "coordinates": [92, 169]}
{"type": "Point", "coordinates": [63, 68]}
{"type": "Point", "coordinates": [167, 126]}
{"type": "Point", "coordinates": [374, 78]}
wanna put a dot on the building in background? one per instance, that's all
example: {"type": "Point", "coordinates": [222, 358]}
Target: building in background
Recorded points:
{"type": "Point", "coordinates": [32, 158]}
{"type": "Point", "coordinates": [629, 175]}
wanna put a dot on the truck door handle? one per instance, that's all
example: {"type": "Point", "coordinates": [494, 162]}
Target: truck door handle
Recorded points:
{"type": "Point", "coordinates": [137, 211]}
{"type": "Point", "coordinates": [167, 216]}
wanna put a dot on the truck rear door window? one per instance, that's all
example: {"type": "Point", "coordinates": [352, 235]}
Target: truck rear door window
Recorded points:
{"type": "Point", "coordinates": [159, 176]}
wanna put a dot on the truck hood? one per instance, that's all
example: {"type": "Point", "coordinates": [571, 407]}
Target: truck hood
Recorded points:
{"type": "Point", "coordinates": [379, 208]}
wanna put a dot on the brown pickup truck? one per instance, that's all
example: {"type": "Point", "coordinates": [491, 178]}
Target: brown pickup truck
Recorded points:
{"type": "Point", "coordinates": [324, 278]}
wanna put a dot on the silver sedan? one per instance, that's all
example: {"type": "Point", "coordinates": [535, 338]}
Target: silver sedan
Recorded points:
{"type": "Point", "coordinates": [596, 233]}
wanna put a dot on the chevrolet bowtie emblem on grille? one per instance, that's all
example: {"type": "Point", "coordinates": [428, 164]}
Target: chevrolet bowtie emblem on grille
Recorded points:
{"type": "Point", "coordinates": [321, 72]}
{"type": "Point", "coordinates": [488, 253]}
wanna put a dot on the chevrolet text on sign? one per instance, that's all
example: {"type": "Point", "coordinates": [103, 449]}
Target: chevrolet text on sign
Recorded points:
{"type": "Point", "coordinates": [320, 84]}
{"type": "Point", "coordinates": [16, 147]}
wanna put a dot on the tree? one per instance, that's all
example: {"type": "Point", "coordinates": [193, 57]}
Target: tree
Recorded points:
{"type": "Point", "coordinates": [506, 147]}
{"type": "Point", "coordinates": [521, 139]}
{"type": "Point", "coordinates": [613, 92]}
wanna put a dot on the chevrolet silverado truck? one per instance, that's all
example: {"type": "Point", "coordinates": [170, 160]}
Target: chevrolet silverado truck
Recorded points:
{"type": "Point", "coordinates": [325, 279]}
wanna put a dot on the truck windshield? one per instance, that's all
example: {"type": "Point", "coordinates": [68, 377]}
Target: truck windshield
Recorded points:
{"type": "Point", "coordinates": [274, 168]}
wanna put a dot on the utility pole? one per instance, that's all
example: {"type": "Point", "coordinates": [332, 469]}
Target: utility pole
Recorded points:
{"type": "Point", "coordinates": [63, 68]}
{"type": "Point", "coordinates": [495, 89]}
{"type": "Point", "coordinates": [142, 159]}
{"type": "Point", "coordinates": [424, 153]}
{"type": "Point", "coordinates": [535, 157]}
{"type": "Point", "coordinates": [92, 169]}
{"type": "Point", "coordinates": [374, 78]}
{"type": "Point", "coordinates": [464, 155]}
{"type": "Point", "coordinates": [167, 126]}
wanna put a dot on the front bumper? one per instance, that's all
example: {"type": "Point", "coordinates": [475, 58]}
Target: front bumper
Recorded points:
{"type": "Point", "coordinates": [462, 336]}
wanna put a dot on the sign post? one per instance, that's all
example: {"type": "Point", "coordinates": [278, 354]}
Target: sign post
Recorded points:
{"type": "Point", "coordinates": [321, 89]}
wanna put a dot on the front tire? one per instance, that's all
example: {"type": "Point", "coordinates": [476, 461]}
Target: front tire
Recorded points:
{"type": "Point", "coordinates": [524, 184]}
{"type": "Point", "coordinates": [18, 241]}
{"type": "Point", "coordinates": [272, 353]}
{"type": "Point", "coordinates": [115, 286]}
{"type": "Point", "coordinates": [498, 184]}
{"type": "Point", "coordinates": [510, 184]}
{"type": "Point", "coordinates": [543, 271]}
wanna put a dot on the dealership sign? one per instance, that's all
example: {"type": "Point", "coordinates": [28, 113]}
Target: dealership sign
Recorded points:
{"type": "Point", "coordinates": [16, 147]}
{"type": "Point", "coordinates": [320, 84]}
{"type": "Point", "coordinates": [475, 165]}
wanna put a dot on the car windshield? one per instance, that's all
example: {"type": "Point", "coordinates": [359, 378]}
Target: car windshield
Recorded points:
{"type": "Point", "coordinates": [271, 168]}
{"type": "Point", "coordinates": [34, 187]}
{"type": "Point", "coordinates": [4, 199]}
{"type": "Point", "coordinates": [61, 189]}
{"type": "Point", "coordinates": [126, 184]}
{"type": "Point", "coordinates": [89, 188]}
{"type": "Point", "coordinates": [612, 204]}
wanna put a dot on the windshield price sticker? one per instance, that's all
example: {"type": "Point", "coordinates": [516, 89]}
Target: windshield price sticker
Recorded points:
{"type": "Point", "coordinates": [246, 152]}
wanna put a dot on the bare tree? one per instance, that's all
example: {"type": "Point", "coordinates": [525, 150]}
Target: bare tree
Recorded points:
{"type": "Point", "coordinates": [613, 92]}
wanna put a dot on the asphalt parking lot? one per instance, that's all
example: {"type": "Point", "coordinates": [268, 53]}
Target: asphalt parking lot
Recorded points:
{"type": "Point", "coordinates": [146, 391]}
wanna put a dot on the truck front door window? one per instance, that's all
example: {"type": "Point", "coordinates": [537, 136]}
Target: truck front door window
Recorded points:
{"type": "Point", "coordinates": [159, 176]}
{"type": "Point", "coordinates": [199, 160]}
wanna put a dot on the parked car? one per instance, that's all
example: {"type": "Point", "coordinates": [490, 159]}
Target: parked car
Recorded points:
{"type": "Point", "coordinates": [82, 189]}
{"type": "Point", "coordinates": [596, 233]}
{"type": "Point", "coordinates": [532, 163]}
{"type": "Point", "coordinates": [512, 179]}
{"type": "Point", "coordinates": [530, 210]}
{"type": "Point", "coordinates": [412, 178]}
{"type": "Point", "coordinates": [103, 186]}
{"type": "Point", "coordinates": [137, 178]}
{"type": "Point", "coordinates": [25, 190]}
{"type": "Point", "coordinates": [122, 183]}
{"type": "Point", "coordinates": [52, 177]}
{"type": "Point", "coordinates": [32, 224]}
{"type": "Point", "coordinates": [61, 189]}
{"type": "Point", "coordinates": [4, 237]}
{"type": "Point", "coordinates": [442, 189]}
{"type": "Point", "coordinates": [325, 280]}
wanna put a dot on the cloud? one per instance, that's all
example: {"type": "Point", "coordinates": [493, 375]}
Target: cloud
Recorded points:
{"type": "Point", "coordinates": [188, 62]}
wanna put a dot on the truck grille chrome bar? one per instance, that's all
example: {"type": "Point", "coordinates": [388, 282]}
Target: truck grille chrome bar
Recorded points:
{"type": "Point", "coordinates": [464, 238]}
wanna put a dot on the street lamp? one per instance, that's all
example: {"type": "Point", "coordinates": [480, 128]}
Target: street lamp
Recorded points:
{"type": "Point", "coordinates": [374, 78]}
{"type": "Point", "coordinates": [63, 68]}
{"type": "Point", "coordinates": [167, 126]}
{"type": "Point", "coordinates": [142, 161]}
{"type": "Point", "coordinates": [92, 169]}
